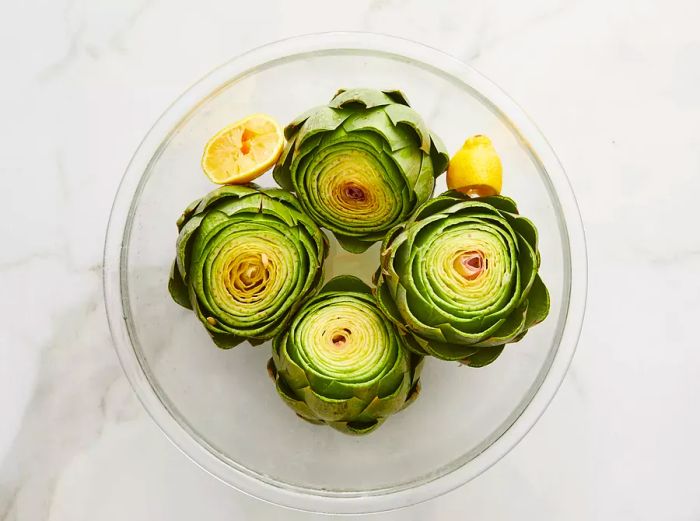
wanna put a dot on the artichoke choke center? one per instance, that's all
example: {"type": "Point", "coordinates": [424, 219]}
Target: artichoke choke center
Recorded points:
{"type": "Point", "coordinates": [354, 193]}
{"type": "Point", "coordinates": [471, 264]}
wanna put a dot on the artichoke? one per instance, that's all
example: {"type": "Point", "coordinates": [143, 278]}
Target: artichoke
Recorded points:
{"type": "Point", "coordinates": [341, 363]}
{"type": "Point", "coordinates": [361, 164]}
{"type": "Point", "coordinates": [246, 260]}
{"type": "Point", "coordinates": [460, 278]}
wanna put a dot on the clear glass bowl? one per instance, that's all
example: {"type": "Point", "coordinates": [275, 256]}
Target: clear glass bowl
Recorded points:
{"type": "Point", "coordinates": [219, 407]}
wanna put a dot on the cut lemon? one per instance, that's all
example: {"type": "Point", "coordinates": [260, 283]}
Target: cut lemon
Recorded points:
{"type": "Point", "coordinates": [476, 168]}
{"type": "Point", "coordinates": [243, 151]}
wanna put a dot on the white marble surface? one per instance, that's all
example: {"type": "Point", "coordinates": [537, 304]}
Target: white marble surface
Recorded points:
{"type": "Point", "coordinates": [615, 85]}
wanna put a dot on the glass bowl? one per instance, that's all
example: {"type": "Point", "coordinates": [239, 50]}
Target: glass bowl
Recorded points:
{"type": "Point", "coordinates": [219, 407]}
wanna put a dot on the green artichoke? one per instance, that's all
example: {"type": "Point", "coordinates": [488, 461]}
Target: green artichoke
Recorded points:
{"type": "Point", "coordinates": [361, 164]}
{"type": "Point", "coordinates": [341, 363]}
{"type": "Point", "coordinates": [246, 260]}
{"type": "Point", "coordinates": [460, 277]}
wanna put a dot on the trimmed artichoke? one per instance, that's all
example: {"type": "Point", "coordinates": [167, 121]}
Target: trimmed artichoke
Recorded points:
{"type": "Point", "coordinates": [461, 278]}
{"type": "Point", "coordinates": [361, 164]}
{"type": "Point", "coordinates": [341, 363]}
{"type": "Point", "coordinates": [246, 260]}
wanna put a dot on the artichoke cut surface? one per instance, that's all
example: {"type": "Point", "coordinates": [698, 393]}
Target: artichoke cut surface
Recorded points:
{"type": "Point", "coordinates": [246, 260]}
{"type": "Point", "coordinates": [461, 278]}
{"type": "Point", "coordinates": [341, 363]}
{"type": "Point", "coordinates": [361, 164]}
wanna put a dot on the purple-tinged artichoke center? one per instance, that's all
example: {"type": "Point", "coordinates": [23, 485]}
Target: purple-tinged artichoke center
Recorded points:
{"type": "Point", "coordinates": [471, 264]}
{"type": "Point", "coordinates": [355, 193]}
{"type": "Point", "coordinates": [339, 340]}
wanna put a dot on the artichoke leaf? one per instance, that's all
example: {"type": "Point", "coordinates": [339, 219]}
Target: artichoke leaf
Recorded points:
{"type": "Point", "coordinates": [177, 287]}
{"type": "Point", "coordinates": [538, 303]}
{"type": "Point", "coordinates": [483, 357]}
{"type": "Point", "coordinates": [348, 283]}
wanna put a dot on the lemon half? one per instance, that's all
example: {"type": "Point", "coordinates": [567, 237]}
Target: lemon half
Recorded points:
{"type": "Point", "coordinates": [243, 151]}
{"type": "Point", "coordinates": [476, 168]}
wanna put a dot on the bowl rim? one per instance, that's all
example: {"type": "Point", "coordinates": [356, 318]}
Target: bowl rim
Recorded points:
{"type": "Point", "coordinates": [115, 258]}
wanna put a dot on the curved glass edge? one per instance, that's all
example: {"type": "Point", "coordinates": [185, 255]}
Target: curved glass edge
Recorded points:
{"type": "Point", "coordinates": [339, 503]}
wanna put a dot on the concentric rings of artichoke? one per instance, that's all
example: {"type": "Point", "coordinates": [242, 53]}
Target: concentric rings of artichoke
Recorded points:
{"type": "Point", "coordinates": [248, 274]}
{"type": "Point", "coordinates": [246, 259]}
{"type": "Point", "coordinates": [334, 174]}
{"type": "Point", "coordinates": [361, 164]}
{"type": "Point", "coordinates": [445, 281]}
{"type": "Point", "coordinates": [462, 275]}
{"type": "Point", "coordinates": [342, 363]}
{"type": "Point", "coordinates": [345, 339]}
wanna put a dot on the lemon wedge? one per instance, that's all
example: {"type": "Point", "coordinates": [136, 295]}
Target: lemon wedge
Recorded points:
{"type": "Point", "coordinates": [243, 151]}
